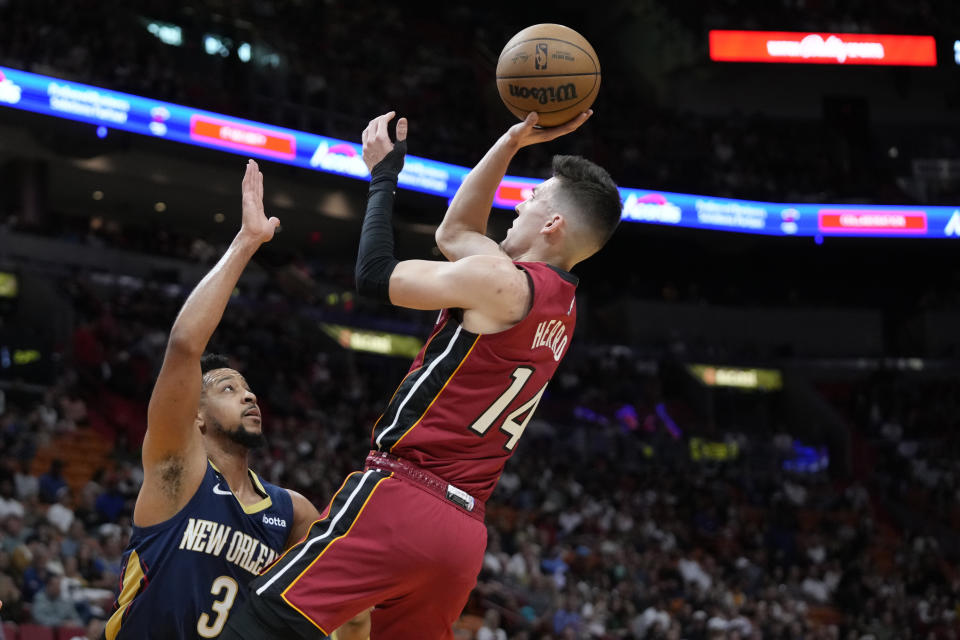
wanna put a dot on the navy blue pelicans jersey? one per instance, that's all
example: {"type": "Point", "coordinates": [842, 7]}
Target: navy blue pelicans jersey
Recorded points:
{"type": "Point", "coordinates": [182, 577]}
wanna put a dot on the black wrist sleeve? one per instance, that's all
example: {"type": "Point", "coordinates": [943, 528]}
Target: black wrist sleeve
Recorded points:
{"type": "Point", "coordinates": [375, 258]}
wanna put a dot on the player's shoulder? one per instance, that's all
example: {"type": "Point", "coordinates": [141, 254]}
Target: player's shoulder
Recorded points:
{"type": "Point", "coordinates": [486, 261]}
{"type": "Point", "coordinates": [301, 505]}
{"type": "Point", "coordinates": [498, 281]}
{"type": "Point", "coordinates": [487, 270]}
{"type": "Point", "coordinates": [296, 498]}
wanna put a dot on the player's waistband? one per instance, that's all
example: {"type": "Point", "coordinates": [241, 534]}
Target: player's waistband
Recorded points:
{"type": "Point", "coordinates": [429, 481]}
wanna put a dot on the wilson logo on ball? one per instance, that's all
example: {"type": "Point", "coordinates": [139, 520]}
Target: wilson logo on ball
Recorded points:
{"type": "Point", "coordinates": [550, 69]}
{"type": "Point", "coordinates": [543, 95]}
{"type": "Point", "coordinates": [540, 61]}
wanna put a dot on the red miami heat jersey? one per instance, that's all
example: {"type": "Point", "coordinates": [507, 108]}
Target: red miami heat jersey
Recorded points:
{"type": "Point", "coordinates": [468, 397]}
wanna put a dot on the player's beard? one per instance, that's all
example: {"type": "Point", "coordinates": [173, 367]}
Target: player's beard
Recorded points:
{"type": "Point", "coordinates": [240, 435]}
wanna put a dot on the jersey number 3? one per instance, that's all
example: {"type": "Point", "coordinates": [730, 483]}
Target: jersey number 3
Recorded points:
{"type": "Point", "coordinates": [510, 424]}
{"type": "Point", "coordinates": [225, 589]}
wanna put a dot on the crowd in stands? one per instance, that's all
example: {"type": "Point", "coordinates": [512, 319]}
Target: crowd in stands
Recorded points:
{"type": "Point", "coordinates": [609, 523]}
{"type": "Point", "coordinates": [606, 525]}
{"type": "Point", "coordinates": [636, 533]}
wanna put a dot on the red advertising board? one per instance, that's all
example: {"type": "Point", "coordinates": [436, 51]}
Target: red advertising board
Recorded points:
{"type": "Point", "coordinates": [822, 48]}
{"type": "Point", "coordinates": [242, 137]}
{"type": "Point", "coordinates": [886, 221]}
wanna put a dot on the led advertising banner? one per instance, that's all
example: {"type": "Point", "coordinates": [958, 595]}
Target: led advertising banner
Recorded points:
{"type": "Point", "coordinates": [739, 378]}
{"type": "Point", "coordinates": [786, 219]}
{"type": "Point", "coordinates": [822, 48]}
{"type": "Point", "coordinates": [712, 451]}
{"type": "Point", "coordinates": [9, 285]}
{"type": "Point", "coordinates": [112, 109]}
{"type": "Point", "coordinates": [388, 344]}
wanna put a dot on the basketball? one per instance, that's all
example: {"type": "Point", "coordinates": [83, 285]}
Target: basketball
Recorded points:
{"type": "Point", "coordinates": [550, 69]}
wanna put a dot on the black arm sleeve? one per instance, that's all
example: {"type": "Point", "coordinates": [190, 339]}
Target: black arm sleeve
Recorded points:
{"type": "Point", "coordinates": [375, 258]}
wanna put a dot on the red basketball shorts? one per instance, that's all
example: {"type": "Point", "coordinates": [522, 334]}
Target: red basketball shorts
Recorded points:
{"type": "Point", "coordinates": [386, 541]}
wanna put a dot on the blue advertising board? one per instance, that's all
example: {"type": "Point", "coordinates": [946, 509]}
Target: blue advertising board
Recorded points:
{"type": "Point", "coordinates": [158, 119]}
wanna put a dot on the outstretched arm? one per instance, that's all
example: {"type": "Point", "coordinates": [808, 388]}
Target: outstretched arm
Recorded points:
{"type": "Point", "coordinates": [463, 230]}
{"type": "Point", "coordinates": [384, 159]}
{"type": "Point", "coordinates": [489, 283]}
{"type": "Point", "coordinates": [173, 455]}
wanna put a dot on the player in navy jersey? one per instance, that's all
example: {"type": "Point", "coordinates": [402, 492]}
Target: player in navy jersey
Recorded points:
{"type": "Point", "coordinates": [406, 535]}
{"type": "Point", "coordinates": [204, 523]}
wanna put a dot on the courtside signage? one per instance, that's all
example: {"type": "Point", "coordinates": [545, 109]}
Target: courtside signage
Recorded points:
{"type": "Point", "coordinates": [822, 48]}
{"type": "Point", "coordinates": [157, 119]}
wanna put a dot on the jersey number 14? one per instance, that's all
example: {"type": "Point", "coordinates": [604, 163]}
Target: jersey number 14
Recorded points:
{"type": "Point", "coordinates": [512, 425]}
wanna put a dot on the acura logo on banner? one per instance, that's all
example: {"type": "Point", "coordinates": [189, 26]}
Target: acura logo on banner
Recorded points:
{"type": "Point", "coordinates": [953, 226]}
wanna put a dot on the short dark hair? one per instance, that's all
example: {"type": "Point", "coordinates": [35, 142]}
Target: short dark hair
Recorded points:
{"type": "Point", "coordinates": [592, 192]}
{"type": "Point", "coordinates": [211, 361]}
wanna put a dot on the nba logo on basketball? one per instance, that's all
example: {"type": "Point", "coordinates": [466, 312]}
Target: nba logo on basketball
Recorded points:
{"type": "Point", "coordinates": [540, 60]}
{"type": "Point", "coordinates": [548, 64]}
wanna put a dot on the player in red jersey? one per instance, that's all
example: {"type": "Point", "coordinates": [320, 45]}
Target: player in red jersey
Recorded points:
{"type": "Point", "coordinates": [406, 535]}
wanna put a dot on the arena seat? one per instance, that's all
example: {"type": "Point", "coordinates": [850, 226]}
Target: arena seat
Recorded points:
{"type": "Point", "coordinates": [67, 633]}
{"type": "Point", "coordinates": [35, 632]}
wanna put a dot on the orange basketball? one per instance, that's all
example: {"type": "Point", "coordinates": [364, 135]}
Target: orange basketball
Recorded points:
{"type": "Point", "coordinates": [550, 69]}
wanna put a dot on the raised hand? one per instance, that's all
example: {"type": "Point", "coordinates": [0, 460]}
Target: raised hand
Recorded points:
{"type": "Point", "coordinates": [527, 133]}
{"type": "Point", "coordinates": [376, 138]}
{"type": "Point", "coordinates": [255, 223]}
